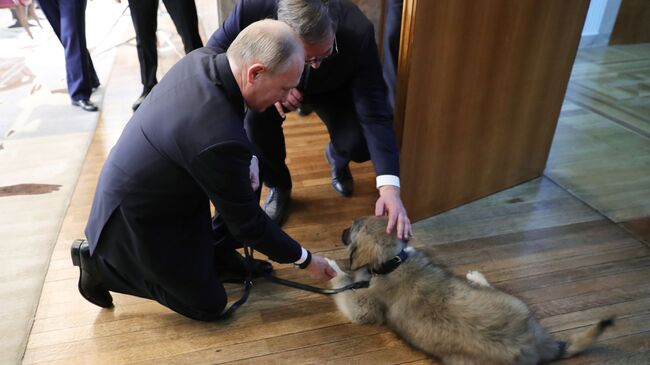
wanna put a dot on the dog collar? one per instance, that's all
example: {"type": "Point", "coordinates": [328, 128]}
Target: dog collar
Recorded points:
{"type": "Point", "coordinates": [392, 264]}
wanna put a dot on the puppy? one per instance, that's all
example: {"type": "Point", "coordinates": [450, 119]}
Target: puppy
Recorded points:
{"type": "Point", "coordinates": [461, 322]}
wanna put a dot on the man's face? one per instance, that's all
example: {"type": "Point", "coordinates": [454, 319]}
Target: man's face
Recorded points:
{"type": "Point", "coordinates": [267, 89]}
{"type": "Point", "coordinates": [316, 53]}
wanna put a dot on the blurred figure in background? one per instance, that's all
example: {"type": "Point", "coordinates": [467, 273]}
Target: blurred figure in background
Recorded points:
{"type": "Point", "coordinates": [68, 19]}
{"type": "Point", "coordinates": [145, 21]}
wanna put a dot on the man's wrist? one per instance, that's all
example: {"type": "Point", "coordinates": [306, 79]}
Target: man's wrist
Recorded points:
{"type": "Point", "coordinates": [387, 180]}
{"type": "Point", "coordinates": [304, 260]}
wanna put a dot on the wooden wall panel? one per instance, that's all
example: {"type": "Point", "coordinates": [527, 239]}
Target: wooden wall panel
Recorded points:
{"type": "Point", "coordinates": [485, 83]}
{"type": "Point", "coordinates": [632, 23]}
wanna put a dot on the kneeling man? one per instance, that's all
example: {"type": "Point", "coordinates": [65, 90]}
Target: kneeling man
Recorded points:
{"type": "Point", "coordinates": [150, 232]}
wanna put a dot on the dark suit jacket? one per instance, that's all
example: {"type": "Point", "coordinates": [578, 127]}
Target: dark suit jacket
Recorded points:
{"type": "Point", "coordinates": [356, 68]}
{"type": "Point", "coordinates": [184, 147]}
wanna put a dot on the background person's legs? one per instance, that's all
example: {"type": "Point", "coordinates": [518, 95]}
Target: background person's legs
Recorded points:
{"type": "Point", "coordinates": [346, 134]}
{"type": "Point", "coordinates": [145, 22]}
{"type": "Point", "coordinates": [79, 68]}
{"type": "Point", "coordinates": [68, 20]}
{"type": "Point", "coordinates": [183, 14]}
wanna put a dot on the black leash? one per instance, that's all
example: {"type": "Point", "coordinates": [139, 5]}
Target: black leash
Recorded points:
{"type": "Point", "coordinates": [314, 289]}
{"type": "Point", "coordinates": [386, 268]}
{"type": "Point", "coordinates": [292, 284]}
{"type": "Point", "coordinates": [248, 284]}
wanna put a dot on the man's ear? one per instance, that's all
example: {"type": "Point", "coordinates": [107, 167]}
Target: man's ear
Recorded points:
{"type": "Point", "coordinates": [254, 71]}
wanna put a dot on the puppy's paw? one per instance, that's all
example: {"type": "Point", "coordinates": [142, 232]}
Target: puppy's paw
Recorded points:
{"type": "Point", "coordinates": [477, 278]}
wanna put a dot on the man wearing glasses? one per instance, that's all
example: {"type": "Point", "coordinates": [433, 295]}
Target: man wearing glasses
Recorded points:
{"type": "Point", "coordinates": [342, 82]}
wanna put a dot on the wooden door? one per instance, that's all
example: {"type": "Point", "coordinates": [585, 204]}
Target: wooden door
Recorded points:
{"type": "Point", "coordinates": [480, 88]}
{"type": "Point", "coordinates": [632, 23]}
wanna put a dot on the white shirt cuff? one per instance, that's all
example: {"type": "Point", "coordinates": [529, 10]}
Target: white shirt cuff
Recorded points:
{"type": "Point", "coordinates": [303, 256]}
{"type": "Point", "coordinates": [387, 180]}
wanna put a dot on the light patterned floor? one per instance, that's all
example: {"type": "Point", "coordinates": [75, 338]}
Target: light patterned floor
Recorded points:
{"type": "Point", "coordinates": [601, 150]}
{"type": "Point", "coordinates": [43, 142]}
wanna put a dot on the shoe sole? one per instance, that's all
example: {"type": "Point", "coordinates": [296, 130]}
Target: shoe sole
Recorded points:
{"type": "Point", "coordinates": [75, 252]}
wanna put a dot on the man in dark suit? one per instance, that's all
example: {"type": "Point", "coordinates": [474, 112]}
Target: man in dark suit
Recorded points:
{"type": "Point", "coordinates": [342, 82]}
{"type": "Point", "coordinates": [150, 231]}
{"type": "Point", "coordinates": [68, 19]}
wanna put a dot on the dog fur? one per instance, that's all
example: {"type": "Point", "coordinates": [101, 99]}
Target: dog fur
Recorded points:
{"type": "Point", "coordinates": [459, 321]}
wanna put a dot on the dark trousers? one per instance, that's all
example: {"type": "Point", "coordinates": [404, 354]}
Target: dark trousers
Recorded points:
{"type": "Point", "coordinates": [183, 277]}
{"type": "Point", "coordinates": [339, 115]}
{"type": "Point", "coordinates": [392, 32]}
{"type": "Point", "coordinates": [145, 22]}
{"type": "Point", "coordinates": [68, 19]}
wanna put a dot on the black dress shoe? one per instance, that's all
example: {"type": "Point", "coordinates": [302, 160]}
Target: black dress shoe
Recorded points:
{"type": "Point", "coordinates": [235, 270]}
{"type": "Point", "coordinates": [341, 178]}
{"type": "Point", "coordinates": [139, 101]}
{"type": "Point", "coordinates": [86, 105]}
{"type": "Point", "coordinates": [90, 283]}
{"type": "Point", "coordinates": [276, 205]}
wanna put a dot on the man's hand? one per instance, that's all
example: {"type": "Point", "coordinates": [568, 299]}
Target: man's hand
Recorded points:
{"type": "Point", "coordinates": [320, 269]}
{"type": "Point", "coordinates": [293, 100]}
{"type": "Point", "coordinates": [390, 202]}
{"type": "Point", "coordinates": [291, 103]}
{"type": "Point", "coordinates": [254, 173]}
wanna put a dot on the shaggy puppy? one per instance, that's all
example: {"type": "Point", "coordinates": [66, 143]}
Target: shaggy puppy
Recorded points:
{"type": "Point", "coordinates": [461, 322]}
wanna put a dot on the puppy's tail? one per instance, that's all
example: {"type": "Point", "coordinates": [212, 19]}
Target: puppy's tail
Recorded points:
{"type": "Point", "coordinates": [578, 342]}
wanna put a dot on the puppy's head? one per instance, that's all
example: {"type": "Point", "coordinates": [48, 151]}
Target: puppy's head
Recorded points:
{"type": "Point", "coordinates": [369, 244]}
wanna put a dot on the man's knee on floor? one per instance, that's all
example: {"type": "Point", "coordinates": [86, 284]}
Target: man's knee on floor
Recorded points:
{"type": "Point", "coordinates": [206, 305]}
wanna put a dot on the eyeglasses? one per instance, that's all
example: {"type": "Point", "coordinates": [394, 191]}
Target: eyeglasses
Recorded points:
{"type": "Point", "coordinates": [319, 59]}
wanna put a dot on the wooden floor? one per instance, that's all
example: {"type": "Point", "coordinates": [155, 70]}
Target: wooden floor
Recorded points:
{"type": "Point", "coordinates": [569, 262]}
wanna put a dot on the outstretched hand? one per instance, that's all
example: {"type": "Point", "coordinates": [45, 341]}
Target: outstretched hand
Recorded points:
{"type": "Point", "coordinates": [320, 269]}
{"type": "Point", "coordinates": [390, 203]}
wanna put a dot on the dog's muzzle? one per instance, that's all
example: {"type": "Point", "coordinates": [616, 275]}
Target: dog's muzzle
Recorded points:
{"type": "Point", "coordinates": [345, 237]}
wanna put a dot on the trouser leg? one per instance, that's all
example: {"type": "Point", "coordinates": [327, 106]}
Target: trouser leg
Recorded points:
{"type": "Point", "coordinates": [145, 21]}
{"type": "Point", "coordinates": [392, 32]}
{"type": "Point", "coordinates": [265, 131]}
{"type": "Point", "coordinates": [346, 134]}
{"type": "Point", "coordinates": [183, 14]}
{"type": "Point", "coordinates": [68, 19]}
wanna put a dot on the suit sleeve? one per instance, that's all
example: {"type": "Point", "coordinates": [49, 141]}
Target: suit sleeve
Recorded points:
{"type": "Point", "coordinates": [371, 101]}
{"type": "Point", "coordinates": [226, 34]}
{"type": "Point", "coordinates": [222, 171]}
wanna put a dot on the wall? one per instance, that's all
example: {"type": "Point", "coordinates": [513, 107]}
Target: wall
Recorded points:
{"type": "Point", "coordinates": [600, 22]}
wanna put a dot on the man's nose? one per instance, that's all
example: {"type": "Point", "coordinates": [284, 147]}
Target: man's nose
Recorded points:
{"type": "Point", "coordinates": [315, 65]}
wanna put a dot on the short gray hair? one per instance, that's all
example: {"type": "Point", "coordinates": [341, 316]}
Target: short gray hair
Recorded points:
{"type": "Point", "coordinates": [312, 20]}
{"type": "Point", "coordinates": [269, 42]}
